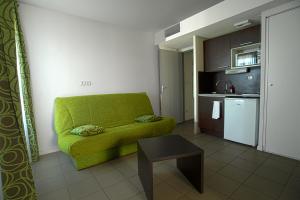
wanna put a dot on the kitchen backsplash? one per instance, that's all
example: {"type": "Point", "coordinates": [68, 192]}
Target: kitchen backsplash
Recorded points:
{"type": "Point", "coordinates": [244, 83]}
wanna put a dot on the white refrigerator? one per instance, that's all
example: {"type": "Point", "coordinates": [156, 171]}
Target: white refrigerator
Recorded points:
{"type": "Point", "coordinates": [241, 120]}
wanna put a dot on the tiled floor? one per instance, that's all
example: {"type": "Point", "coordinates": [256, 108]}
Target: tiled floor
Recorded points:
{"type": "Point", "coordinates": [232, 172]}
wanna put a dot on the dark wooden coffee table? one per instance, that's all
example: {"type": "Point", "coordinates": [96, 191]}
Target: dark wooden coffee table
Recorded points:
{"type": "Point", "coordinates": [189, 159]}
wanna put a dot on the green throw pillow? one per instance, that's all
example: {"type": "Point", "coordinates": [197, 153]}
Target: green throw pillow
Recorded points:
{"type": "Point", "coordinates": [148, 118]}
{"type": "Point", "coordinates": [87, 130]}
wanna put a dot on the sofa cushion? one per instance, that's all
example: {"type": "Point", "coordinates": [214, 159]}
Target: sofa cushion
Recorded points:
{"type": "Point", "coordinates": [147, 118]}
{"type": "Point", "coordinates": [87, 130]}
{"type": "Point", "coordinates": [78, 146]}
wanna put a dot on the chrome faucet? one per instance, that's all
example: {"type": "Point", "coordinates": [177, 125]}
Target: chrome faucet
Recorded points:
{"type": "Point", "coordinates": [226, 86]}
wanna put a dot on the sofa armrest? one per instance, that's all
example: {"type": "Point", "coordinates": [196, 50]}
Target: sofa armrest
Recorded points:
{"type": "Point", "coordinates": [65, 141]}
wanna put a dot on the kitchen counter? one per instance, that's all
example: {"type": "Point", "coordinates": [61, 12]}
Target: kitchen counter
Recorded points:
{"type": "Point", "coordinates": [230, 95]}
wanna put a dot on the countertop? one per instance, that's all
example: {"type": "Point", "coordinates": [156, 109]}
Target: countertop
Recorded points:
{"type": "Point", "coordinates": [230, 95]}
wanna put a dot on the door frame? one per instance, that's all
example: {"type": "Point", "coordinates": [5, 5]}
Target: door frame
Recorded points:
{"type": "Point", "coordinates": [265, 67]}
{"type": "Point", "coordinates": [187, 50]}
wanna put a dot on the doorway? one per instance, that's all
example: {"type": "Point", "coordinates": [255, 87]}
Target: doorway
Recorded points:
{"type": "Point", "coordinates": [176, 84]}
{"type": "Point", "coordinates": [171, 84]}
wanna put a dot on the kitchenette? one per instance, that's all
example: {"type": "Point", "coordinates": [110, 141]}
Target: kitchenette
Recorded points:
{"type": "Point", "coordinates": [229, 87]}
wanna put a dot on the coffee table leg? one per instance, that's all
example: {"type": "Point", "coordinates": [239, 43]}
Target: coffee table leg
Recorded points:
{"type": "Point", "coordinates": [192, 168]}
{"type": "Point", "coordinates": [145, 171]}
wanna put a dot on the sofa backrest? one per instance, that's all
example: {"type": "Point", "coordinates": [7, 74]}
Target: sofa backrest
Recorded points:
{"type": "Point", "coordinates": [106, 110]}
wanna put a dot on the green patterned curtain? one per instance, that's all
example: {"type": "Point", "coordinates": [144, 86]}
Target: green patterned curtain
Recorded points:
{"type": "Point", "coordinates": [16, 174]}
{"type": "Point", "coordinates": [25, 91]}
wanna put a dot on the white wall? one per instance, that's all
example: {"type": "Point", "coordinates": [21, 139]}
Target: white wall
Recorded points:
{"type": "Point", "coordinates": [63, 50]}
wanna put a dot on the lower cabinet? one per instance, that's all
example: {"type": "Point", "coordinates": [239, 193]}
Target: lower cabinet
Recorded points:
{"type": "Point", "coordinates": [206, 123]}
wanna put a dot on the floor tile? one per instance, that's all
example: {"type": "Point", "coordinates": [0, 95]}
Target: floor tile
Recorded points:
{"type": "Point", "coordinates": [73, 175]}
{"type": "Point", "coordinates": [296, 172]}
{"type": "Point", "coordinates": [210, 149]}
{"type": "Point", "coordinates": [163, 172]}
{"type": "Point", "coordinates": [131, 160]}
{"type": "Point", "coordinates": [213, 164]}
{"type": "Point", "coordinates": [63, 158]}
{"type": "Point", "coordinates": [50, 184]}
{"type": "Point", "coordinates": [126, 169]}
{"type": "Point", "coordinates": [83, 188]}
{"type": "Point", "coordinates": [49, 160]}
{"type": "Point", "coordinates": [245, 164]}
{"type": "Point", "coordinates": [121, 191]}
{"type": "Point", "coordinates": [163, 191]}
{"type": "Point", "coordinates": [139, 196]}
{"type": "Point", "coordinates": [221, 142]}
{"type": "Point", "coordinates": [290, 194]}
{"type": "Point", "coordinates": [230, 168]}
{"type": "Point", "coordinates": [264, 186]}
{"type": "Point", "coordinates": [201, 141]}
{"type": "Point", "coordinates": [109, 178]}
{"type": "Point", "coordinates": [135, 180]}
{"type": "Point", "coordinates": [180, 184]}
{"type": "Point", "coordinates": [234, 149]}
{"type": "Point", "coordinates": [170, 163]}
{"type": "Point", "coordinates": [273, 174]}
{"type": "Point", "coordinates": [184, 197]}
{"type": "Point", "coordinates": [44, 172]}
{"type": "Point", "coordinates": [156, 164]}
{"type": "Point", "coordinates": [100, 195]}
{"type": "Point", "coordinates": [216, 144]}
{"type": "Point", "coordinates": [101, 168]}
{"type": "Point", "coordinates": [235, 173]}
{"type": "Point", "coordinates": [208, 194]}
{"type": "Point", "coordinates": [222, 184]}
{"type": "Point", "coordinates": [254, 156]}
{"type": "Point", "coordinates": [60, 194]}
{"type": "Point", "coordinates": [245, 193]}
{"type": "Point", "coordinates": [224, 157]}
{"type": "Point", "coordinates": [280, 163]}
{"type": "Point", "coordinates": [189, 137]}
{"type": "Point", "coordinates": [294, 183]}
{"type": "Point", "coordinates": [208, 173]}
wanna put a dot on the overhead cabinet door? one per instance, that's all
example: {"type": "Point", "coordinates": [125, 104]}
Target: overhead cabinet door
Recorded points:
{"type": "Point", "coordinates": [283, 94]}
{"type": "Point", "coordinates": [217, 54]}
{"type": "Point", "coordinates": [245, 37]}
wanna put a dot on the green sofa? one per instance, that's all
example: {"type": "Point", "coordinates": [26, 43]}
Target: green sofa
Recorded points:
{"type": "Point", "coordinates": [116, 113]}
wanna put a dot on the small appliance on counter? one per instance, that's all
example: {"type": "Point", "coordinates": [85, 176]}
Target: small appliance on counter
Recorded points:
{"type": "Point", "coordinates": [241, 120]}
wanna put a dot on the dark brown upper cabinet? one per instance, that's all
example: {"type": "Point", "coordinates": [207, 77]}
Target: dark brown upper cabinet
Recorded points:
{"type": "Point", "coordinates": [217, 50]}
{"type": "Point", "coordinates": [245, 37]}
{"type": "Point", "coordinates": [217, 54]}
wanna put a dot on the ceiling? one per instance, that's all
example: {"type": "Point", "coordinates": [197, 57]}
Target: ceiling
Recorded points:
{"type": "Point", "coordinates": [220, 28]}
{"type": "Point", "coordinates": [215, 30]}
{"type": "Point", "coordinates": [148, 15]}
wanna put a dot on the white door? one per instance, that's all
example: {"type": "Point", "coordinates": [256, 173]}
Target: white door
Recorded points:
{"type": "Point", "coordinates": [171, 81]}
{"type": "Point", "coordinates": [188, 85]}
{"type": "Point", "coordinates": [283, 80]}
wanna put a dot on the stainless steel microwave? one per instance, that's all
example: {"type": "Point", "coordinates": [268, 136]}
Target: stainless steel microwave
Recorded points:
{"type": "Point", "coordinates": [246, 56]}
